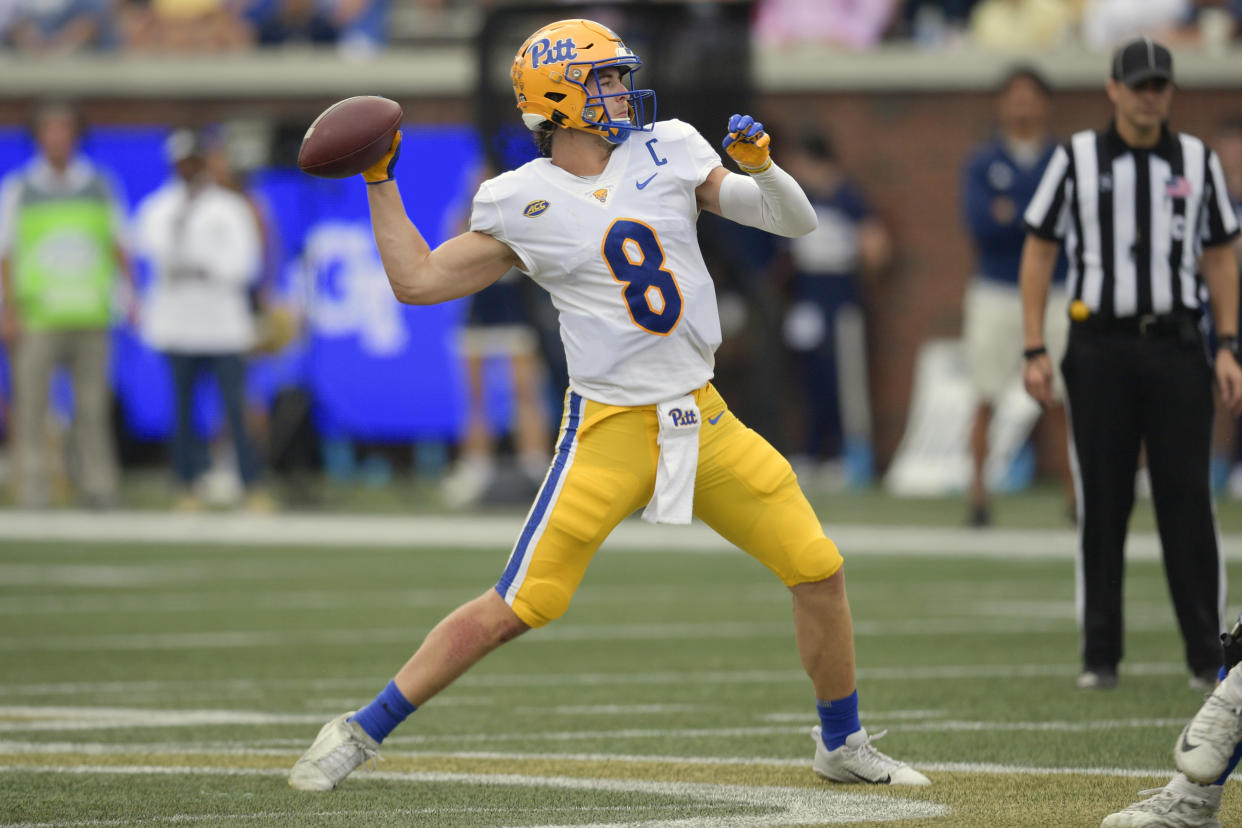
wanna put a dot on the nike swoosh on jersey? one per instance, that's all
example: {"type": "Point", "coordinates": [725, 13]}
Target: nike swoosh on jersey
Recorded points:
{"type": "Point", "coordinates": [716, 419]}
{"type": "Point", "coordinates": [641, 184]}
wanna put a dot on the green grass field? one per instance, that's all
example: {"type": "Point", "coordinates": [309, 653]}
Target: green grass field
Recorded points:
{"type": "Point", "coordinates": [175, 683]}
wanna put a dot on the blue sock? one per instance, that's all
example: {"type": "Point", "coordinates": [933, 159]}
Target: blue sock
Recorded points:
{"type": "Point", "coordinates": [838, 719]}
{"type": "Point", "coordinates": [1233, 763]}
{"type": "Point", "coordinates": [1237, 752]}
{"type": "Point", "coordinates": [381, 717]}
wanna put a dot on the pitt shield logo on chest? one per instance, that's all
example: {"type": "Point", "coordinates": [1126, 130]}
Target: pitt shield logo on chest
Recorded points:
{"type": "Point", "coordinates": [545, 52]}
{"type": "Point", "coordinates": [683, 418]}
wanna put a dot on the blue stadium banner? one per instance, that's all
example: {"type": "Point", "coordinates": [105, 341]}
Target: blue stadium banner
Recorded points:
{"type": "Point", "coordinates": [377, 370]}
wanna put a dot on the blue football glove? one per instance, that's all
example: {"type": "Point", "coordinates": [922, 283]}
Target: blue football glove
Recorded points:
{"type": "Point", "coordinates": [747, 144]}
{"type": "Point", "coordinates": [382, 170]}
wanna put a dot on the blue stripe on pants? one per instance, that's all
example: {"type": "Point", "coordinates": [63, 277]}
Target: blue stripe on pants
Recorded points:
{"type": "Point", "coordinates": [574, 406]}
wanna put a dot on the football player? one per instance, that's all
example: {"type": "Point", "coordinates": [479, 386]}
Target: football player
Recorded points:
{"type": "Point", "coordinates": [605, 221]}
{"type": "Point", "coordinates": [1206, 753]}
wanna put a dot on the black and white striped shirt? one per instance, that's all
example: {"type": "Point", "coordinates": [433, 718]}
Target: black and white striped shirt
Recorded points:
{"type": "Point", "coordinates": [1134, 221]}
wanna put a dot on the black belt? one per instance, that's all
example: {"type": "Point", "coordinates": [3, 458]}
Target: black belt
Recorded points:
{"type": "Point", "coordinates": [1148, 325]}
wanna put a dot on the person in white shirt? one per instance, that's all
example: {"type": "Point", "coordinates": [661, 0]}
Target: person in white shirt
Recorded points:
{"type": "Point", "coordinates": [204, 247]}
{"type": "Point", "coordinates": [606, 223]}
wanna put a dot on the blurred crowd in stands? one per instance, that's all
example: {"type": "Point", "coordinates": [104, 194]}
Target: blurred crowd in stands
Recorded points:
{"type": "Point", "coordinates": [365, 26]}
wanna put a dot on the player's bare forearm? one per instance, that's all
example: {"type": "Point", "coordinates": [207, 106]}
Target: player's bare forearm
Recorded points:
{"type": "Point", "coordinates": [419, 275]}
{"type": "Point", "coordinates": [1220, 272]}
{"type": "Point", "coordinates": [1039, 257]}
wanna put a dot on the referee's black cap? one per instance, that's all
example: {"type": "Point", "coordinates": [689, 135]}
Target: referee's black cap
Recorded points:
{"type": "Point", "coordinates": [1142, 59]}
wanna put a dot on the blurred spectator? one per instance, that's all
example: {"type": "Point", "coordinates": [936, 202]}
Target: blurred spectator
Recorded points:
{"type": "Point", "coordinates": [499, 328]}
{"type": "Point", "coordinates": [825, 324]}
{"type": "Point", "coordinates": [1228, 437]}
{"type": "Point", "coordinates": [203, 245]}
{"type": "Point", "coordinates": [1211, 24]}
{"type": "Point", "coordinates": [60, 253]}
{"type": "Point", "coordinates": [1000, 178]}
{"type": "Point", "coordinates": [1020, 25]}
{"type": "Point", "coordinates": [356, 26]}
{"type": "Point", "coordinates": [1105, 23]}
{"type": "Point", "coordinates": [183, 26]}
{"type": "Point", "coordinates": [935, 23]}
{"type": "Point", "coordinates": [857, 24]}
{"type": "Point", "coordinates": [57, 26]}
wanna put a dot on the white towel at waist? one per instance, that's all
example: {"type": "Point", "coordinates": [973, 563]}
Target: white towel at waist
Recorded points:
{"type": "Point", "coordinates": [673, 500]}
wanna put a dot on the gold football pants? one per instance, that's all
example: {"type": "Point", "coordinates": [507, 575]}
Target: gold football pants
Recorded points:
{"type": "Point", "coordinates": [604, 470]}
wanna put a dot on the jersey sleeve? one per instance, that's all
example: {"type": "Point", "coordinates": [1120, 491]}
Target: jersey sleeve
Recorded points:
{"type": "Point", "coordinates": [1221, 225]}
{"type": "Point", "coordinates": [487, 215]}
{"type": "Point", "coordinates": [1043, 215]}
{"type": "Point", "coordinates": [701, 156]}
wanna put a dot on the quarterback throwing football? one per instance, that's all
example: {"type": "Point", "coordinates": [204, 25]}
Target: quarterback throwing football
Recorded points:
{"type": "Point", "coordinates": [605, 222]}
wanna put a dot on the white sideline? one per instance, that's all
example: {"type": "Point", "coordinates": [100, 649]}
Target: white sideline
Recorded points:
{"type": "Point", "coordinates": [474, 531]}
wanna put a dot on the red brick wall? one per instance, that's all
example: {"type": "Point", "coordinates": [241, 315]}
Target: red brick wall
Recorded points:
{"type": "Point", "coordinates": [906, 150]}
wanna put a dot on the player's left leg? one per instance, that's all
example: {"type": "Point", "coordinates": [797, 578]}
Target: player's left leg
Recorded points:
{"type": "Point", "coordinates": [748, 493]}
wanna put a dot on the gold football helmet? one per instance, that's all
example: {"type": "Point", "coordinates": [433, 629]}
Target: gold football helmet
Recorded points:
{"type": "Point", "coordinates": [554, 80]}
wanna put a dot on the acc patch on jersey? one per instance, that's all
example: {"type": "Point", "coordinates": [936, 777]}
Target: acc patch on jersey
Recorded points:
{"type": "Point", "coordinates": [535, 208]}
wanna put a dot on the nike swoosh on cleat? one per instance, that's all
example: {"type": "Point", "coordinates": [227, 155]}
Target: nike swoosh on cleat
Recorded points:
{"type": "Point", "coordinates": [641, 184]}
{"type": "Point", "coordinates": [885, 781]}
{"type": "Point", "coordinates": [716, 419]}
{"type": "Point", "coordinates": [1186, 746]}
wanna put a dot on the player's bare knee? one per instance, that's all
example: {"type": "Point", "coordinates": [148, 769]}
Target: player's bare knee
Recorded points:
{"type": "Point", "coordinates": [831, 587]}
{"type": "Point", "coordinates": [499, 619]}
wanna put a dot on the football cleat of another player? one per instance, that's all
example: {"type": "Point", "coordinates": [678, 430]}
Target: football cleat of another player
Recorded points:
{"type": "Point", "coordinates": [340, 747]}
{"type": "Point", "coordinates": [1179, 804]}
{"type": "Point", "coordinates": [1207, 743]}
{"type": "Point", "coordinates": [858, 761]}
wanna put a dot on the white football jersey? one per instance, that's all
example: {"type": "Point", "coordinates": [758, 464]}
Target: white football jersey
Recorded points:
{"type": "Point", "coordinates": [619, 254]}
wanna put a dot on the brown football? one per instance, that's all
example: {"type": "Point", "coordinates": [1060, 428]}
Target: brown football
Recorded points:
{"type": "Point", "coordinates": [349, 136]}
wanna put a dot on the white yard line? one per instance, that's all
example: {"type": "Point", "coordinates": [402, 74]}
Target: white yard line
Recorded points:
{"type": "Point", "coordinates": [27, 718]}
{"type": "Point", "coordinates": [780, 805]}
{"type": "Point", "coordinates": [483, 681]}
{"type": "Point", "coordinates": [498, 532]}
{"type": "Point", "coordinates": [223, 749]}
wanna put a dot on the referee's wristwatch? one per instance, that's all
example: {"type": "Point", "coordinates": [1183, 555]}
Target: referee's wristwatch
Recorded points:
{"type": "Point", "coordinates": [1228, 342]}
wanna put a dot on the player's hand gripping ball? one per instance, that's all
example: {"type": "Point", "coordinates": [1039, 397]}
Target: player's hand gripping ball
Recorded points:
{"type": "Point", "coordinates": [747, 144]}
{"type": "Point", "coordinates": [385, 168]}
{"type": "Point", "coordinates": [350, 137]}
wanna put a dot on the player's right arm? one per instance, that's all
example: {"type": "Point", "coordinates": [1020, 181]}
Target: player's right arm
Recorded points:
{"type": "Point", "coordinates": [1039, 257]}
{"type": "Point", "coordinates": [463, 265]}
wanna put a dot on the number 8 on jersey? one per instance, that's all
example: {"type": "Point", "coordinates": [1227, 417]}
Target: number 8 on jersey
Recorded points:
{"type": "Point", "coordinates": [635, 257]}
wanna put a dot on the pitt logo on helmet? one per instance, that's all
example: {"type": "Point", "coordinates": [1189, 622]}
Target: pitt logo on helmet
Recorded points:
{"type": "Point", "coordinates": [545, 52]}
{"type": "Point", "coordinates": [535, 208]}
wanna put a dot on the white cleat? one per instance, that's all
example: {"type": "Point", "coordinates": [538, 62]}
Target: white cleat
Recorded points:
{"type": "Point", "coordinates": [858, 761]}
{"type": "Point", "coordinates": [340, 747]}
{"type": "Point", "coordinates": [1208, 741]}
{"type": "Point", "coordinates": [1179, 804]}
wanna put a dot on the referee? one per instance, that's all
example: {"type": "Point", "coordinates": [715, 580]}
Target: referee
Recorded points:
{"type": "Point", "coordinates": [1146, 222]}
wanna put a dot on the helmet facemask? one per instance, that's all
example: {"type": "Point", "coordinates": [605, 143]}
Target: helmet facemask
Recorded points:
{"type": "Point", "coordinates": [595, 109]}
